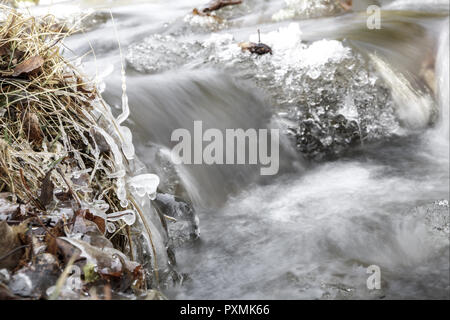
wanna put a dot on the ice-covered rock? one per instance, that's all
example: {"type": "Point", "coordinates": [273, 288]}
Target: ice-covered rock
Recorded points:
{"type": "Point", "coordinates": [333, 94]}
{"type": "Point", "coordinates": [184, 225]}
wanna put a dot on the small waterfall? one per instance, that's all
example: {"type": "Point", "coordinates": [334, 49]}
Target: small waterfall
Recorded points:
{"type": "Point", "coordinates": [162, 103]}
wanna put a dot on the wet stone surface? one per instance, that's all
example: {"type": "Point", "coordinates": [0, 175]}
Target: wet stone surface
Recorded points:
{"type": "Point", "coordinates": [183, 228]}
{"type": "Point", "coordinates": [331, 94]}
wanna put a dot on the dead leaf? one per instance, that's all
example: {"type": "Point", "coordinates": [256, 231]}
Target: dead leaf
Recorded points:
{"type": "Point", "coordinates": [18, 55]}
{"type": "Point", "coordinates": [50, 239]}
{"type": "Point", "coordinates": [29, 65]}
{"type": "Point", "coordinates": [99, 221]}
{"type": "Point", "coordinates": [100, 140]}
{"type": "Point", "coordinates": [255, 48]}
{"type": "Point", "coordinates": [47, 188]}
{"type": "Point", "coordinates": [9, 243]}
{"type": "Point", "coordinates": [196, 12]}
{"type": "Point", "coordinates": [66, 250]}
{"type": "Point", "coordinates": [4, 50]}
{"type": "Point", "coordinates": [31, 127]}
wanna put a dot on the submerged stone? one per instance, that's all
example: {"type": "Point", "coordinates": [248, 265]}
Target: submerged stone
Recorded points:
{"type": "Point", "coordinates": [183, 227]}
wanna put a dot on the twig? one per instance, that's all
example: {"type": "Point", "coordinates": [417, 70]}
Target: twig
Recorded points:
{"type": "Point", "coordinates": [42, 224]}
{"type": "Point", "coordinates": [13, 251]}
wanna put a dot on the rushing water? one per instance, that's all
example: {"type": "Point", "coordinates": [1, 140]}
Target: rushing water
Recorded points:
{"type": "Point", "coordinates": [311, 231]}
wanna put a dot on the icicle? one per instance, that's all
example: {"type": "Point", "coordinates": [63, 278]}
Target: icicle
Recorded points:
{"type": "Point", "coordinates": [113, 145]}
{"type": "Point", "coordinates": [127, 216]}
{"type": "Point", "coordinates": [118, 174]}
{"type": "Point", "coordinates": [122, 192]}
{"type": "Point", "coordinates": [145, 184]}
{"type": "Point", "coordinates": [127, 143]}
{"type": "Point", "coordinates": [126, 135]}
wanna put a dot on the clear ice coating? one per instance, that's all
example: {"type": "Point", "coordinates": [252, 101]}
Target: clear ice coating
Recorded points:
{"type": "Point", "coordinates": [185, 224]}
{"type": "Point", "coordinates": [127, 216]}
{"type": "Point", "coordinates": [144, 184]}
{"type": "Point", "coordinates": [127, 143]}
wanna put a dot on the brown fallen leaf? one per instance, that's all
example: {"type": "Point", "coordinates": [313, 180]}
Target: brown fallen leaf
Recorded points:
{"type": "Point", "coordinates": [196, 12]}
{"type": "Point", "coordinates": [66, 250]}
{"type": "Point", "coordinates": [47, 188]}
{"type": "Point", "coordinates": [29, 65]}
{"type": "Point", "coordinates": [99, 221]}
{"type": "Point", "coordinates": [50, 238]}
{"type": "Point", "coordinates": [31, 127]}
{"type": "Point", "coordinates": [4, 50]}
{"type": "Point", "coordinates": [10, 246]}
{"type": "Point", "coordinates": [255, 48]}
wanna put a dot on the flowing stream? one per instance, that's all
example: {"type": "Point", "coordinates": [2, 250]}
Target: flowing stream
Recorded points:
{"type": "Point", "coordinates": [312, 230]}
